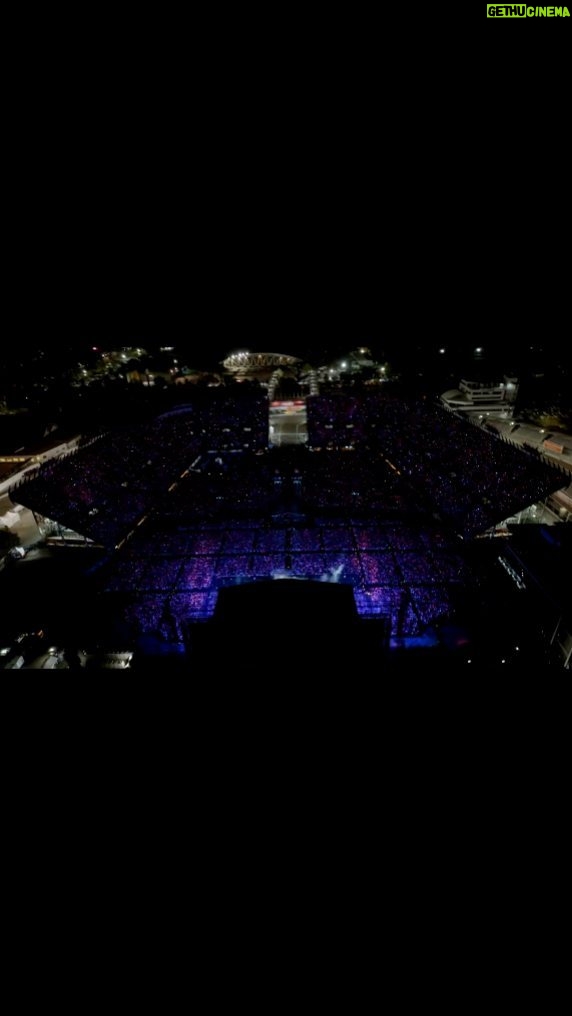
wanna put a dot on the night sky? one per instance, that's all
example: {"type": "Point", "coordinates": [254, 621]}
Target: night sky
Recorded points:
{"type": "Point", "coordinates": [250, 206]}
{"type": "Point", "coordinates": [392, 307]}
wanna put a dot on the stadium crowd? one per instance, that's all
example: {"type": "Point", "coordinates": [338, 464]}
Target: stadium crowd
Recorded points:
{"type": "Point", "coordinates": [378, 497]}
{"type": "Point", "coordinates": [471, 477]}
{"type": "Point", "coordinates": [105, 486]}
{"type": "Point", "coordinates": [389, 566]}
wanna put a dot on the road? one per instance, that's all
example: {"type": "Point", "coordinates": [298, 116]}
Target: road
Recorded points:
{"type": "Point", "coordinates": [530, 434]}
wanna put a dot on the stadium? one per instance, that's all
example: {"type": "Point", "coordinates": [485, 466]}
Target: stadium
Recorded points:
{"type": "Point", "coordinates": [204, 544]}
{"type": "Point", "coordinates": [260, 365]}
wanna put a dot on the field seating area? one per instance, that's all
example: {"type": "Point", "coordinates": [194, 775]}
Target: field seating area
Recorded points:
{"type": "Point", "coordinates": [194, 501]}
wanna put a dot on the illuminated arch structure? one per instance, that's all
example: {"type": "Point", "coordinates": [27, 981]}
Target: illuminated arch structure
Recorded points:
{"type": "Point", "coordinates": [245, 363]}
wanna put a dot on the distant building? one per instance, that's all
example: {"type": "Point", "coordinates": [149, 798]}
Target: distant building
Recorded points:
{"type": "Point", "coordinates": [471, 395]}
{"type": "Point", "coordinates": [117, 357]}
{"type": "Point", "coordinates": [260, 366]}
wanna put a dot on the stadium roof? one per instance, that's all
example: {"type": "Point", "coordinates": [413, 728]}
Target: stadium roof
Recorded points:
{"type": "Point", "coordinates": [242, 361]}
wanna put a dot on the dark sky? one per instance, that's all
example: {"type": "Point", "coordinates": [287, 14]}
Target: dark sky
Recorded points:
{"type": "Point", "coordinates": [259, 215]}
{"type": "Point", "coordinates": [299, 315]}
{"type": "Point", "coordinates": [293, 300]}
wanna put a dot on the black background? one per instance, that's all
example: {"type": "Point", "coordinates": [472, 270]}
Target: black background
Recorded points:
{"type": "Point", "coordinates": [287, 185]}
